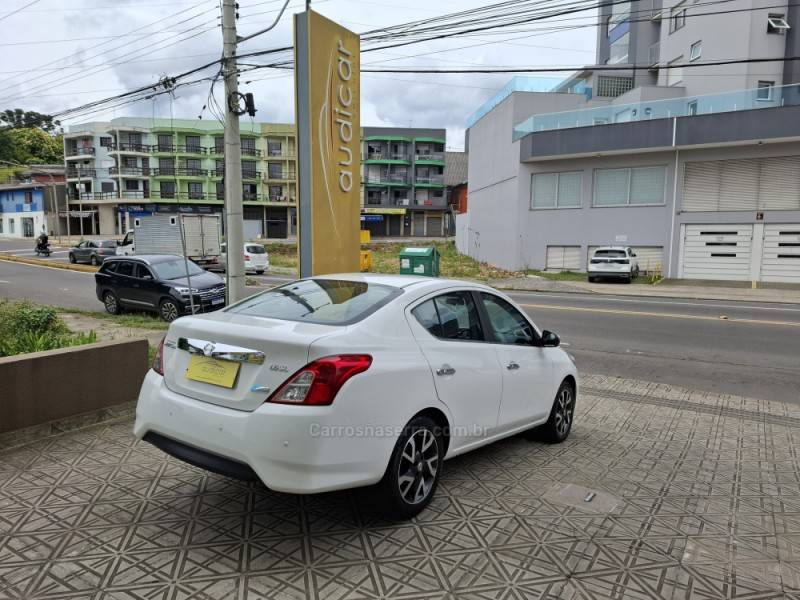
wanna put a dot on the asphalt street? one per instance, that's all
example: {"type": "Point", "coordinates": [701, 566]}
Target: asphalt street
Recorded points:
{"type": "Point", "coordinates": [745, 348]}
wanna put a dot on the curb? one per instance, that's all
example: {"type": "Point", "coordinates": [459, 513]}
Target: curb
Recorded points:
{"type": "Point", "coordinates": [46, 263]}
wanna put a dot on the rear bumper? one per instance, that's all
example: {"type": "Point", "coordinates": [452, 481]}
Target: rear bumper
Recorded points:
{"type": "Point", "coordinates": [603, 273]}
{"type": "Point", "coordinates": [285, 446]}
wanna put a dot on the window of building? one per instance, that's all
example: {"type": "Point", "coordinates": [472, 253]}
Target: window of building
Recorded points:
{"type": "Point", "coordinates": [165, 143]}
{"type": "Point", "coordinates": [195, 190]}
{"type": "Point", "coordinates": [250, 191]}
{"type": "Point", "coordinates": [618, 51]}
{"type": "Point", "coordinates": [166, 166]}
{"type": "Point", "coordinates": [131, 185]}
{"type": "Point", "coordinates": [249, 169]}
{"type": "Point", "coordinates": [691, 108]}
{"type": "Point", "coordinates": [105, 142]}
{"type": "Point", "coordinates": [629, 186]}
{"type": "Point", "coordinates": [776, 23]}
{"type": "Point", "coordinates": [556, 190]}
{"type": "Point", "coordinates": [274, 148]}
{"type": "Point", "coordinates": [620, 11]}
{"type": "Point", "coordinates": [696, 50]}
{"type": "Point", "coordinates": [219, 145]}
{"type": "Point", "coordinates": [193, 143]}
{"type": "Point", "coordinates": [11, 226]}
{"type": "Point", "coordinates": [128, 161]}
{"type": "Point", "coordinates": [274, 170]}
{"type": "Point", "coordinates": [220, 191]}
{"type": "Point", "coordinates": [764, 91]}
{"type": "Point", "coordinates": [167, 189]}
{"type": "Point", "coordinates": [28, 197]}
{"type": "Point", "coordinates": [193, 166]}
{"type": "Point", "coordinates": [276, 192]}
{"type": "Point", "coordinates": [1, 225]}
{"type": "Point", "coordinates": [674, 71]}
{"type": "Point", "coordinates": [249, 146]}
{"type": "Point", "coordinates": [677, 19]}
{"type": "Point", "coordinates": [613, 85]}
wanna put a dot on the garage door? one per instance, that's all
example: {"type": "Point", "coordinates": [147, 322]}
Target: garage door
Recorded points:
{"type": "Point", "coordinates": [563, 258]}
{"type": "Point", "coordinates": [434, 226]}
{"type": "Point", "coordinates": [717, 252]}
{"type": "Point", "coordinates": [780, 258]}
{"type": "Point", "coordinates": [651, 258]}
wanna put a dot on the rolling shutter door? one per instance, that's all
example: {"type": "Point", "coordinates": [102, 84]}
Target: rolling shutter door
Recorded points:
{"type": "Point", "coordinates": [650, 258]}
{"type": "Point", "coordinates": [563, 258]}
{"type": "Point", "coordinates": [771, 183]}
{"type": "Point", "coordinates": [434, 226]}
{"type": "Point", "coordinates": [780, 259]}
{"type": "Point", "coordinates": [717, 252]}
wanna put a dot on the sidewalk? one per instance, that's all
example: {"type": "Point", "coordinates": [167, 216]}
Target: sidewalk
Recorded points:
{"type": "Point", "coordinates": [665, 289]}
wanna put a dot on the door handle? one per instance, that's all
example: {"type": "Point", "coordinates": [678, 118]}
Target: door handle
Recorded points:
{"type": "Point", "coordinates": [512, 366]}
{"type": "Point", "coordinates": [445, 369]}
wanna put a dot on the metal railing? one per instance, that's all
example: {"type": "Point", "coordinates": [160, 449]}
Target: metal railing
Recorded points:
{"type": "Point", "coordinates": [176, 195]}
{"type": "Point", "coordinates": [78, 173]}
{"type": "Point", "coordinates": [130, 147]}
{"type": "Point", "coordinates": [685, 106]}
{"type": "Point", "coordinates": [130, 171]}
{"type": "Point", "coordinates": [429, 156]}
{"type": "Point", "coordinates": [430, 179]}
{"type": "Point", "coordinates": [250, 151]}
{"type": "Point", "coordinates": [80, 151]}
{"type": "Point", "coordinates": [282, 174]}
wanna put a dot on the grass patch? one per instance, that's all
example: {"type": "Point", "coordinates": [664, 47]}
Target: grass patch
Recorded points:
{"type": "Point", "coordinates": [137, 320]}
{"type": "Point", "coordinates": [27, 327]}
{"type": "Point", "coordinates": [386, 259]}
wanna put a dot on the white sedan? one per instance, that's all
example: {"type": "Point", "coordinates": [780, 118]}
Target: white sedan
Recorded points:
{"type": "Point", "coordinates": [350, 380]}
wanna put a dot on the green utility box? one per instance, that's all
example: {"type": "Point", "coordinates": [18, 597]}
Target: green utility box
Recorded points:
{"type": "Point", "coordinates": [419, 261]}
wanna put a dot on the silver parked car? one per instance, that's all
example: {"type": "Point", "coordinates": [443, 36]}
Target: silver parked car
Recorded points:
{"type": "Point", "coordinates": [92, 251]}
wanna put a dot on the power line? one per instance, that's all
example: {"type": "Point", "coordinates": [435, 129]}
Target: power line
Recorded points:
{"type": "Point", "coordinates": [20, 9]}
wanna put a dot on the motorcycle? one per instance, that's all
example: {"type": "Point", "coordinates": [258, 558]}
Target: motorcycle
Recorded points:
{"type": "Point", "coordinates": [43, 249]}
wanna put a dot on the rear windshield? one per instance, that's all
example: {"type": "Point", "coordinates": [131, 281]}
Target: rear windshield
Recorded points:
{"type": "Point", "coordinates": [324, 301]}
{"type": "Point", "coordinates": [611, 253]}
{"type": "Point", "coordinates": [255, 249]}
{"type": "Point", "coordinates": [107, 244]}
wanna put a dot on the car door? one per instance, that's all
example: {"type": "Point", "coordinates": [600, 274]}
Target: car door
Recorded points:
{"type": "Point", "coordinates": [466, 373]}
{"type": "Point", "coordinates": [146, 287]}
{"type": "Point", "coordinates": [527, 370]}
{"type": "Point", "coordinates": [79, 252]}
{"type": "Point", "coordinates": [127, 292]}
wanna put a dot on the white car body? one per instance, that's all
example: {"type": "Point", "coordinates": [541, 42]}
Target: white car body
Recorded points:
{"type": "Point", "coordinates": [258, 262]}
{"type": "Point", "coordinates": [494, 390]}
{"type": "Point", "coordinates": [613, 261]}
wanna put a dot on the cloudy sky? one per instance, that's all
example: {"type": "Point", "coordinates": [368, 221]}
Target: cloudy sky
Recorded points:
{"type": "Point", "coordinates": [58, 54]}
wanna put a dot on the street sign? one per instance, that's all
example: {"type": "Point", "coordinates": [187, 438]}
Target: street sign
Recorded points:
{"type": "Point", "coordinates": [327, 91]}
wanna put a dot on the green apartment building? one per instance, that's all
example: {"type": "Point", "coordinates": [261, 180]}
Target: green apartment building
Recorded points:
{"type": "Point", "coordinates": [130, 165]}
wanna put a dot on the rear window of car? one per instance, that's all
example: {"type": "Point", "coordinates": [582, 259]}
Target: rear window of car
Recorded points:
{"type": "Point", "coordinates": [107, 244]}
{"type": "Point", "coordinates": [611, 253]}
{"type": "Point", "coordinates": [322, 301]}
{"type": "Point", "coordinates": [255, 249]}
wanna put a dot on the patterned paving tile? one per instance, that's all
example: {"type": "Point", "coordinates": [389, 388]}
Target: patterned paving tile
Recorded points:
{"type": "Point", "coordinates": [708, 490]}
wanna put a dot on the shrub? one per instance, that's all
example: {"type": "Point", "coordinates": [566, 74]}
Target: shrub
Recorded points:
{"type": "Point", "coordinates": [26, 327]}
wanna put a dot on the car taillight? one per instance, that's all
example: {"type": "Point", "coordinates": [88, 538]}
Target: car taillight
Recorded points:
{"type": "Point", "coordinates": [247, 257]}
{"type": "Point", "coordinates": [158, 359]}
{"type": "Point", "coordinates": [319, 381]}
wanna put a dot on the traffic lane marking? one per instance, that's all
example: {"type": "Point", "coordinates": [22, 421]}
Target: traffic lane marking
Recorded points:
{"type": "Point", "coordinates": [635, 313]}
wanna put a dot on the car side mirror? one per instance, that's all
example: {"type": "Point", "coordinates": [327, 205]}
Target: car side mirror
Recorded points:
{"type": "Point", "coordinates": [549, 339]}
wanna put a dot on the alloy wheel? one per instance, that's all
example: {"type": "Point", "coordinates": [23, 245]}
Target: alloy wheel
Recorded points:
{"type": "Point", "coordinates": [418, 467]}
{"type": "Point", "coordinates": [111, 303]}
{"type": "Point", "coordinates": [564, 410]}
{"type": "Point", "coordinates": [169, 312]}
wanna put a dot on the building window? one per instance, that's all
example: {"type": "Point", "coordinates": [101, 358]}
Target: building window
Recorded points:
{"type": "Point", "coordinates": [620, 11]}
{"type": "Point", "coordinates": [691, 108]}
{"type": "Point", "coordinates": [168, 189]}
{"type": "Point", "coordinates": [274, 148]}
{"type": "Point", "coordinates": [220, 191]}
{"type": "Point", "coordinates": [219, 145]}
{"type": "Point", "coordinates": [166, 166]}
{"type": "Point", "coordinates": [193, 143]}
{"type": "Point", "coordinates": [1, 225]}
{"type": "Point", "coordinates": [195, 190]}
{"type": "Point", "coordinates": [131, 185]}
{"type": "Point", "coordinates": [696, 50]}
{"type": "Point", "coordinates": [764, 91]}
{"type": "Point", "coordinates": [677, 19]}
{"type": "Point", "coordinates": [675, 71]}
{"type": "Point", "coordinates": [276, 192]}
{"type": "Point", "coordinates": [618, 52]}
{"type": "Point", "coordinates": [777, 24]}
{"type": "Point", "coordinates": [250, 191]}
{"type": "Point", "coordinates": [627, 187]}
{"type": "Point", "coordinates": [28, 197]}
{"type": "Point", "coordinates": [249, 169]}
{"type": "Point", "coordinates": [11, 226]}
{"type": "Point", "coordinates": [165, 143]}
{"type": "Point", "coordinates": [612, 86]}
{"type": "Point", "coordinates": [274, 170]}
{"type": "Point", "coordinates": [249, 146]}
{"type": "Point", "coordinates": [105, 142]}
{"type": "Point", "coordinates": [556, 190]}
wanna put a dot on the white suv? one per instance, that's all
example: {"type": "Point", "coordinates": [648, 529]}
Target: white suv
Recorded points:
{"type": "Point", "coordinates": [613, 261]}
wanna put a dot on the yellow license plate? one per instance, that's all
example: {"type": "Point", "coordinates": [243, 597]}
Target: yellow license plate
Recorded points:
{"type": "Point", "coordinates": [212, 370]}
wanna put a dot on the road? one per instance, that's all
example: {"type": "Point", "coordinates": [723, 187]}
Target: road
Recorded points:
{"type": "Point", "coordinates": [742, 348]}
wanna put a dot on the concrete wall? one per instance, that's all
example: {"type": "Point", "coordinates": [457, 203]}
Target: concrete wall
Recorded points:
{"type": "Point", "coordinates": [45, 386]}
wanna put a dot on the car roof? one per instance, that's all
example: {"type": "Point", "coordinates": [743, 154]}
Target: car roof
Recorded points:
{"type": "Point", "coordinates": [149, 259]}
{"type": "Point", "coordinates": [611, 248]}
{"type": "Point", "coordinates": [400, 281]}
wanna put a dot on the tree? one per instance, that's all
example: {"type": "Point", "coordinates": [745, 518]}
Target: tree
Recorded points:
{"type": "Point", "coordinates": [26, 119]}
{"type": "Point", "coordinates": [32, 146]}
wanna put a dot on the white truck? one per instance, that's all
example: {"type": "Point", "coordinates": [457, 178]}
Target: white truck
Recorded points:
{"type": "Point", "coordinates": [160, 233]}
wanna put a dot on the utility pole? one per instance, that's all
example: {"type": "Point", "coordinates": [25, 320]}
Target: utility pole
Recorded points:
{"type": "Point", "coordinates": [234, 232]}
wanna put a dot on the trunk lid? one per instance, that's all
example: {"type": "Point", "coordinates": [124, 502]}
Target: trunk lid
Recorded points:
{"type": "Point", "coordinates": [284, 345]}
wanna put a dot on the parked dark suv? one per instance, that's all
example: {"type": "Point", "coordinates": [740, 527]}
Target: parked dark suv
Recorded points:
{"type": "Point", "coordinates": [157, 283]}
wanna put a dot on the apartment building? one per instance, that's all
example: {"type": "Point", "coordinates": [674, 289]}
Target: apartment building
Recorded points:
{"type": "Point", "coordinates": [695, 166]}
{"type": "Point", "coordinates": [129, 165]}
{"type": "Point", "coordinates": [403, 182]}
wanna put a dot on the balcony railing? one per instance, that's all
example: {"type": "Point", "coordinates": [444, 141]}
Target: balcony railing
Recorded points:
{"type": "Point", "coordinates": [386, 178]}
{"type": "Point", "coordinates": [685, 106]}
{"type": "Point", "coordinates": [250, 151]}
{"type": "Point", "coordinates": [280, 154]}
{"type": "Point", "coordinates": [430, 156]}
{"type": "Point", "coordinates": [177, 149]}
{"type": "Point", "coordinates": [130, 171]}
{"type": "Point", "coordinates": [179, 172]}
{"type": "Point", "coordinates": [78, 173]}
{"type": "Point", "coordinates": [430, 179]}
{"type": "Point", "coordinates": [81, 151]}
{"type": "Point", "coordinates": [130, 147]}
{"type": "Point", "coordinates": [177, 195]}
{"type": "Point", "coordinates": [251, 174]}
{"type": "Point", "coordinates": [282, 174]}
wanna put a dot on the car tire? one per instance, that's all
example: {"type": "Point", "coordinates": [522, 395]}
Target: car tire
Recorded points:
{"type": "Point", "coordinates": [260, 272]}
{"type": "Point", "coordinates": [559, 423]}
{"type": "Point", "coordinates": [111, 303]}
{"type": "Point", "coordinates": [72, 258]}
{"type": "Point", "coordinates": [414, 469]}
{"type": "Point", "coordinates": [592, 279]}
{"type": "Point", "coordinates": [168, 310]}
{"type": "Point", "coordinates": [95, 261]}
